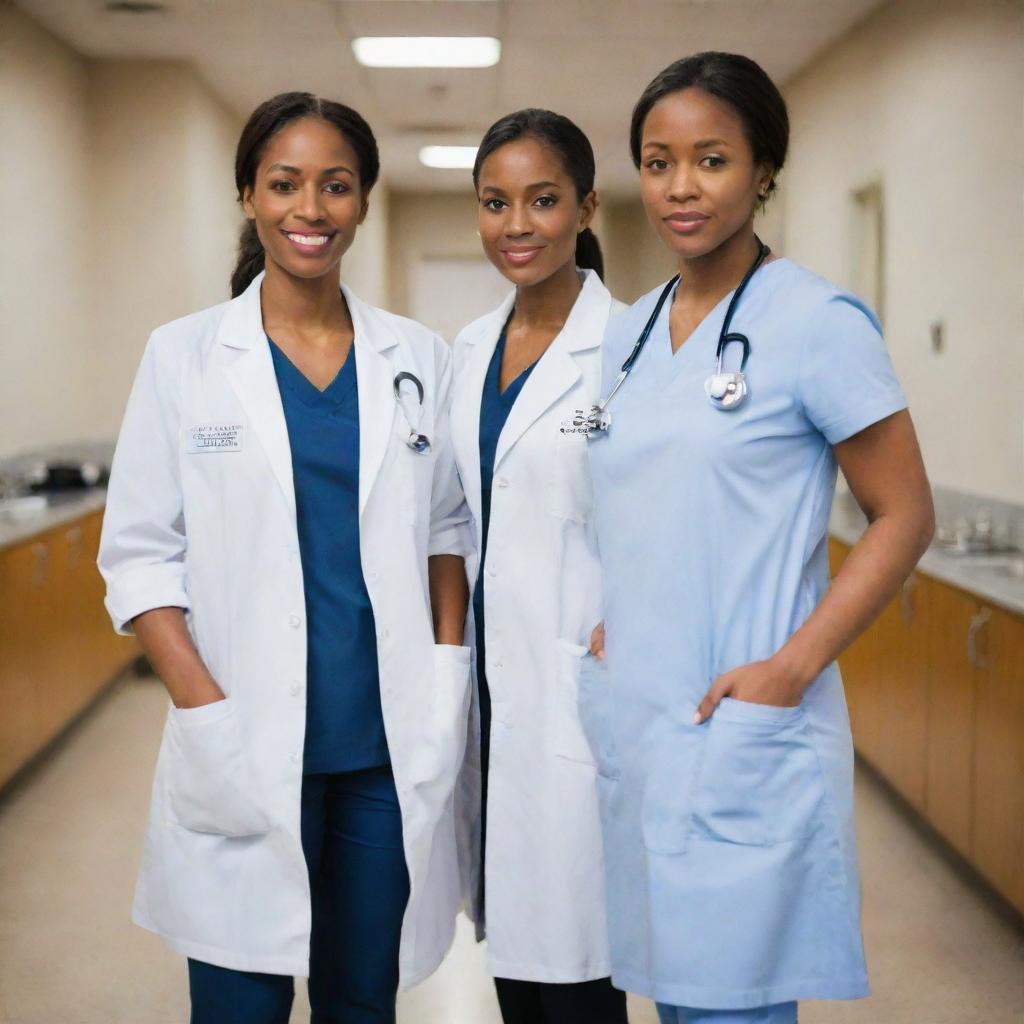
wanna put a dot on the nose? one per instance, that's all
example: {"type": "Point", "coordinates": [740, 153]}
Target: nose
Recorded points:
{"type": "Point", "coordinates": [310, 203]}
{"type": "Point", "coordinates": [683, 184]}
{"type": "Point", "coordinates": [517, 221]}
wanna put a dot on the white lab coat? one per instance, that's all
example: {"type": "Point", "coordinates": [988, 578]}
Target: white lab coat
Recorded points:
{"type": "Point", "coordinates": [545, 906]}
{"type": "Point", "coordinates": [223, 877]}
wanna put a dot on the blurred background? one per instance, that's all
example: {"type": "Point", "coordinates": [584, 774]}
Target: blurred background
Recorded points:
{"type": "Point", "coordinates": [904, 183]}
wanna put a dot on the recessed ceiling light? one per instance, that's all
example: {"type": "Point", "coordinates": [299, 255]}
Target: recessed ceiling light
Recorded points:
{"type": "Point", "coordinates": [459, 158]}
{"type": "Point", "coordinates": [427, 51]}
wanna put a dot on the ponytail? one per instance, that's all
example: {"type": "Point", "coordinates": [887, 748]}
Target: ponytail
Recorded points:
{"type": "Point", "coordinates": [250, 259]}
{"type": "Point", "coordinates": [588, 253]}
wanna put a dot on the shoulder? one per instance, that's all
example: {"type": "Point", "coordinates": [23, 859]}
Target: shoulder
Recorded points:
{"type": "Point", "coordinates": [188, 334]}
{"type": "Point", "coordinates": [821, 304]}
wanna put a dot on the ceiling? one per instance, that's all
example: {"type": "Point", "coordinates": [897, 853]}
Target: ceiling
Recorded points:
{"type": "Point", "coordinates": [588, 59]}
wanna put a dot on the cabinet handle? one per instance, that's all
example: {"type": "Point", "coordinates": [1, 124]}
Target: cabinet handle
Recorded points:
{"type": "Point", "coordinates": [73, 539]}
{"type": "Point", "coordinates": [907, 599]}
{"type": "Point", "coordinates": [978, 623]}
{"type": "Point", "coordinates": [40, 564]}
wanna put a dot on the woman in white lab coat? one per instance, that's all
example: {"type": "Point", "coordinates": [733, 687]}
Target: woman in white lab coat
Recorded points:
{"type": "Point", "coordinates": [282, 477]}
{"type": "Point", "coordinates": [525, 374]}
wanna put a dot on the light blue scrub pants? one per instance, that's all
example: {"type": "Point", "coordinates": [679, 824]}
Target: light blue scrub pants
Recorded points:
{"type": "Point", "coordinates": [780, 1013]}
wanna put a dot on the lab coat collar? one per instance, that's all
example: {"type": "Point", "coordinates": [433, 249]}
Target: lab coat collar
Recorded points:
{"type": "Point", "coordinates": [557, 370]}
{"type": "Point", "coordinates": [253, 378]}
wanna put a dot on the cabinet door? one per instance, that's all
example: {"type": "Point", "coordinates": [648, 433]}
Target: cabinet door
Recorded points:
{"type": "Point", "coordinates": [24, 579]}
{"type": "Point", "coordinates": [998, 827]}
{"type": "Point", "coordinates": [948, 796]}
{"type": "Point", "coordinates": [899, 736]}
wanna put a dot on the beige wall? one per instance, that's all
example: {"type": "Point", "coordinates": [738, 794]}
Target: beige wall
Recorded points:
{"type": "Point", "coordinates": [120, 213]}
{"type": "Point", "coordinates": [46, 337]}
{"type": "Point", "coordinates": [925, 97]}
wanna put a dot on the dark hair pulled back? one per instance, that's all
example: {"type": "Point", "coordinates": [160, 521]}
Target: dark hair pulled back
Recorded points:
{"type": "Point", "coordinates": [573, 149]}
{"type": "Point", "coordinates": [740, 82]}
{"type": "Point", "coordinates": [265, 122]}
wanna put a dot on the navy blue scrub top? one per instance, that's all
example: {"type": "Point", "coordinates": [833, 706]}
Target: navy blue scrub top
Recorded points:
{"type": "Point", "coordinates": [344, 721]}
{"type": "Point", "coordinates": [495, 407]}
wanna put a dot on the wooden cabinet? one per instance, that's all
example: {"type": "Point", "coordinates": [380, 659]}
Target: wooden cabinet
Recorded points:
{"type": "Point", "coordinates": [57, 648]}
{"type": "Point", "coordinates": [936, 695]}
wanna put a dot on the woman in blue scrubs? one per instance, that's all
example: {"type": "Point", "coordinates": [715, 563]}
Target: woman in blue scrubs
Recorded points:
{"type": "Point", "coordinates": [522, 372]}
{"type": "Point", "coordinates": [715, 700]}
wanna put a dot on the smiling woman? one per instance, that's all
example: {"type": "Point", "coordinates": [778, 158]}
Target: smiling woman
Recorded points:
{"type": "Point", "coordinates": [301, 818]}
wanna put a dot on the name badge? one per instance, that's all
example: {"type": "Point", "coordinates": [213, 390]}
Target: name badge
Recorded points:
{"type": "Point", "coordinates": [215, 437]}
{"type": "Point", "coordinates": [576, 425]}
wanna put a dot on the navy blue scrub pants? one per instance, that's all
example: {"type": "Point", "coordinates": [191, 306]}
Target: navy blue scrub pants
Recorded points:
{"type": "Point", "coordinates": [352, 838]}
{"type": "Point", "coordinates": [780, 1013]}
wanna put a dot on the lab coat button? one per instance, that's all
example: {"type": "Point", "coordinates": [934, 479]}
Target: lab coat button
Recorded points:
{"type": "Point", "coordinates": [502, 482]}
{"type": "Point", "coordinates": [492, 573]}
{"type": "Point", "coordinates": [499, 664]}
{"type": "Point", "coordinates": [294, 621]}
{"type": "Point", "coordinates": [371, 574]}
{"type": "Point", "coordinates": [382, 634]}
{"type": "Point", "coordinates": [295, 689]}
{"type": "Point", "coordinates": [294, 758]}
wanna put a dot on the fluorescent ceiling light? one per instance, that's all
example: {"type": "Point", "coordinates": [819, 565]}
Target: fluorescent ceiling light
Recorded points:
{"type": "Point", "coordinates": [427, 51]}
{"type": "Point", "coordinates": [448, 157]}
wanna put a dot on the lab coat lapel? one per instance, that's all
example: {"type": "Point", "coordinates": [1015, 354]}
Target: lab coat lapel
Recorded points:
{"type": "Point", "coordinates": [465, 417]}
{"type": "Point", "coordinates": [375, 341]}
{"type": "Point", "coordinates": [251, 375]}
{"type": "Point", "coordinates": [557, 370]}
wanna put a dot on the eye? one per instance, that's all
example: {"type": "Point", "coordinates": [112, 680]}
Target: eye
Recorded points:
{"type": "Point", "coordinates": [336, 188]}
{"type": "Point", "coordinates": [656, 164]}
{"type": "Point", "coordinates": [282, 185]}
{"type": "Point", "coordinates": [546, 201]}
{"type": "Point", "coordinates": [492, 204]}
{"type": "Point", "coordinates": [713, 161]}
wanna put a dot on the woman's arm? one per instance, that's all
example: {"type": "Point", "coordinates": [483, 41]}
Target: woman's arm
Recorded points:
{"type": "Point", "coordinates": [170, 650]}
{"type": "Point", "coordinates": [883, 467]}
{"type": "Point", "coordinates": [449, 598]}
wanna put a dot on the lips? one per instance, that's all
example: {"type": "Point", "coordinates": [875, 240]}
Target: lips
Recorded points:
{"type": "Point", "coordinates": [519, 256]}
{"type": "Point", "coordinates": [310, 243]}
{"type": "Point", "coordinates": [686, 223]}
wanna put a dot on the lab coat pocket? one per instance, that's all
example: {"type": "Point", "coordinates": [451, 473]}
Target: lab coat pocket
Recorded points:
{"type": "Point", "coordinates": [568, 739]}
{"type": "Point", "coordinates": [762, 783]}
{"type": "Point", "coordinates": [450, 717]}
{"type": "Point", "coordinates": [569, 491]}
{"type": "Point", "coordinates": [210, 782]}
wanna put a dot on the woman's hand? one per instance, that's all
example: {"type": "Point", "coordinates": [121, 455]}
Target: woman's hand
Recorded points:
{"type": "Point", "coordinates": [760, 682]}
{"type": "Point", "coordinates": [597, 641]}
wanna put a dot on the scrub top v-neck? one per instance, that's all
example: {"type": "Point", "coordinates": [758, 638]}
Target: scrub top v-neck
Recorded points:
{"type": "Point", "coordinates": [495, 406]}
{"type": "Point", "coordinates": [344, 720]}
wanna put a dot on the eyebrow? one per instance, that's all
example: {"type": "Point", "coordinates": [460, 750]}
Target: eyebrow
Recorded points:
{"type": "Point", "coordinates": [288, 169]}
{"type": "Point", "coordinates": [699, 144]}
{"type": "Point", "coordinates": [529, 188]}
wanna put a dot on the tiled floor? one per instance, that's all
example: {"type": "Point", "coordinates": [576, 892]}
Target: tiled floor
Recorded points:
{"type": "Point", "coordinates": [70, 833]}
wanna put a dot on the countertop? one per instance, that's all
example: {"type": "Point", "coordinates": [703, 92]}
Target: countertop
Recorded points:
{"type": "Point", "coordinates": [977, 574]}
{"type": "Point", "coordinates": [62, 507]}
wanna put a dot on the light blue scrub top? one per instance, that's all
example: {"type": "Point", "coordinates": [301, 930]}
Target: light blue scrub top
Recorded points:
{"type": "Point", "coordinates": [730, 852]}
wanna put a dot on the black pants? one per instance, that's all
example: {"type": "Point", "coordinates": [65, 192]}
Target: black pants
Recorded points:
{"type": "Point", "coordinates": [536, 1002]}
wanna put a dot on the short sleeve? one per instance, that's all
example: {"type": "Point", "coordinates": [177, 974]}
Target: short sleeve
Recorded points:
{"type": "Point", "coordinates": [846, 381]}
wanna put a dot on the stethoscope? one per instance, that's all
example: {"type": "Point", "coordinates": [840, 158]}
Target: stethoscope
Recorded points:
{"type": "Point", "coordinates": [418, 442]}
{"type": "Point", "coordinates": [726, 389]}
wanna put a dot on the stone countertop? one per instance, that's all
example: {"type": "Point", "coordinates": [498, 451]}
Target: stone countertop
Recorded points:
{"type": "Point", "coordinates": [62, 507]}
{"type": "Point", "coordinates": [977, 574]}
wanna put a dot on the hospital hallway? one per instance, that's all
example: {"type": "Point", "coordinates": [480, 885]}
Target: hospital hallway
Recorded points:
{"type": "Point", "coordinates": [940, 949]}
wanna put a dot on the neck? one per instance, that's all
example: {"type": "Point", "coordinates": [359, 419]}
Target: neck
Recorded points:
{"type": "Point", "coordinates": [719, 271]}
{"type": "Point", "coordinates": [548, 302]}
{"type": "Point", "coordinates": [304, 303]}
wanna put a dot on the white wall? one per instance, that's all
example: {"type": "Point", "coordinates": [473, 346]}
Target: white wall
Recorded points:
{"type": "Point", "coordinates": [119, 214]}
{"type": "Point", "coordinates": [925, 96]}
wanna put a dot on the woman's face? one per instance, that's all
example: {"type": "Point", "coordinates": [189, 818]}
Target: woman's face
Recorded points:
{"type": "Point", "coordinates": [529, 212]}
{"type": "Point", "coordinates": [698, 179]}
{"type": "Point", "coordinates": [307, 200]}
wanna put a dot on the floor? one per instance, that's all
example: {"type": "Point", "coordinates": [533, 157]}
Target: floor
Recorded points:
{"type": "Point", "coordinates": [941, 951]}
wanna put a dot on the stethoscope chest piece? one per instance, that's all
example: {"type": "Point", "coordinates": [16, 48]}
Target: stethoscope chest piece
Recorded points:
{"type": "Point", "coordinates": [726, 390]}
